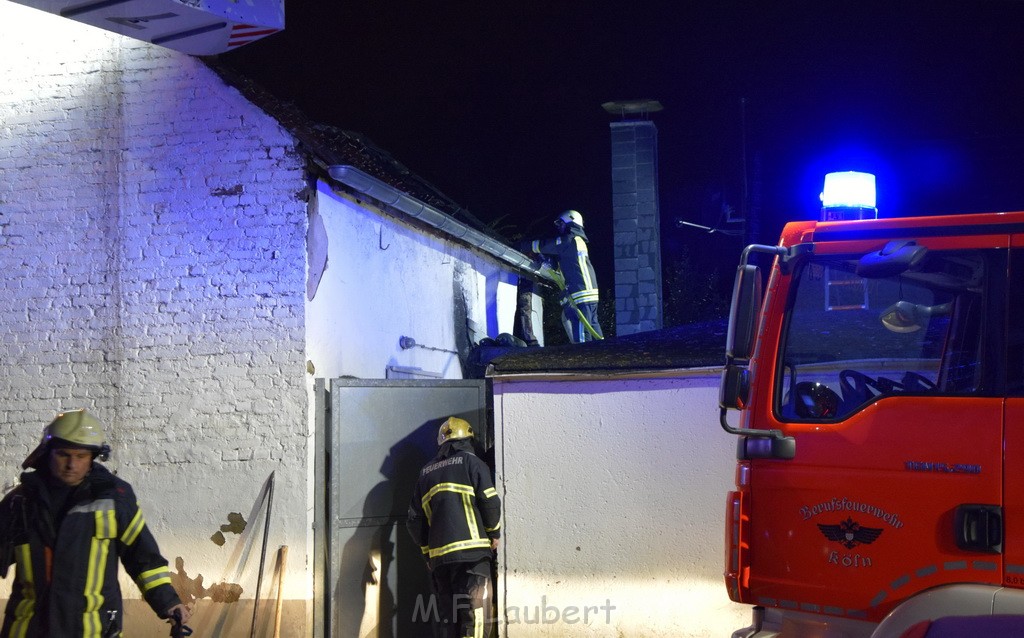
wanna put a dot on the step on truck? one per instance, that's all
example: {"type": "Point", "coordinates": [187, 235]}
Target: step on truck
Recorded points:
{"type": "Point", "coordinates": [878, 375]}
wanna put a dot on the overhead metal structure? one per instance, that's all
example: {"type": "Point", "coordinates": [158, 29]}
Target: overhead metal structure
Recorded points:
{"type": "Point", "coordinates": [196, 27]}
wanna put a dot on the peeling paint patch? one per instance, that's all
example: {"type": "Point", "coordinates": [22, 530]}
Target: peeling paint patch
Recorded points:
{"type": "Point", "coordinates": [227, 192]}
{"type": "Point", "coordinates": [189, 589]}
{"type": "Point", "coordinates": [192, 589]}
{"type": "Point", "coordinates": [225, 592]}
{"type": "Point", "coordinates": [235, 525]}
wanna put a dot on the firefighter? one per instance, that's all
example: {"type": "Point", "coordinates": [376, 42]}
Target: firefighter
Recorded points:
{"type": "Point", "coordinates": [455, 518]}
{"type": "Point", "coordinates": [580, 295]}
{"type": "Point", "coordinates": [65, 527]}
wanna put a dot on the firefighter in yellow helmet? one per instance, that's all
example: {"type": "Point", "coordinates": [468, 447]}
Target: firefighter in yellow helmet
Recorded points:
{"type": "Point", "coordinates": [455, 518]}
{"type": "Point", "coordinates": [65, 527]}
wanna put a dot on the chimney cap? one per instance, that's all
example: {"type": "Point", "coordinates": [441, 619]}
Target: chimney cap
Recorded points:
{"type": "Point", "coordinates": [632, 107]}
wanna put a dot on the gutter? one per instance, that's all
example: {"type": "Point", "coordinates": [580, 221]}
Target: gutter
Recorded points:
{"type": "Point", "coordinates": [604, 375]}
{"type": "Point", "coordinates": [387, 194]}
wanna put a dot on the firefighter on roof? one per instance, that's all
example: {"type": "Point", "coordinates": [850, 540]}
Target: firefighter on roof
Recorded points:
{"type": "Point", "coordinates": [455, 518]}
{"type": "Point", "coordinates": [65, 527]}
{"type": "Point", "coordinates": [569, 248]}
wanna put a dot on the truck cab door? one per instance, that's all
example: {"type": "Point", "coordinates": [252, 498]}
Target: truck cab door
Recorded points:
{"type": "Point", "coordinates": [1013, 505]}
{"type": "Point", "coordinates": [890, 385]}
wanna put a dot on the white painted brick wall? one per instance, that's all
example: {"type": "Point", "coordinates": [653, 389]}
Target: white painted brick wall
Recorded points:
{"type": "Point", "coordinates": [152, 251]}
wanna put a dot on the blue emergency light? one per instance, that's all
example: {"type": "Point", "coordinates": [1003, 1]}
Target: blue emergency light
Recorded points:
{"type": "Point", "coordinates": [848, 195]}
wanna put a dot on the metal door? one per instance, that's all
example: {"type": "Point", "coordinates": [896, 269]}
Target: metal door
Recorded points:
{"type": "Point", "coordinates": [373, 436]}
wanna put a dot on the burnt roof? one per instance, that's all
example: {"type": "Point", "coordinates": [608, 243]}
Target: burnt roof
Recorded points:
{"type": "Point", "coordinates": [695, 345]}
{"type": "Point", "coordinates": [331, 146]}
{"type": "Point", "coordinates": [692, 346]}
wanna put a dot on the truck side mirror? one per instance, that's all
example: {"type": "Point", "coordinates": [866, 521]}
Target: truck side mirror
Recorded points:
{"type": "Point", "coordinates": [734, 388]}
{"type": "Point", "coordinates": [734, 391]}
{"type": "Point", "coordinates": [743, 312]}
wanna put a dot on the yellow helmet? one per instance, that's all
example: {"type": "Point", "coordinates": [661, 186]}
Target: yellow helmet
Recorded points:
{"type": "Point", "coordinates": [77, 427]}
{"type": "Point", "coordinates": [454, 428]}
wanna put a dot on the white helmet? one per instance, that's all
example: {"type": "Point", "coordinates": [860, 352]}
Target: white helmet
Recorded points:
{"type": "Point", "coordinates": [570, 217]}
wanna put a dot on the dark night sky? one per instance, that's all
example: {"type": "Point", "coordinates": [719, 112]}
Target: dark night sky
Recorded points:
{"type": "Point", "coordinates": [498, 104]}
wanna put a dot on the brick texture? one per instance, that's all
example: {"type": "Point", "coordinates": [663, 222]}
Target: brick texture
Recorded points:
{"type": "Point", "coordinates": [637, 233]}
{"type": "Point", "coordinates": [152, 249]}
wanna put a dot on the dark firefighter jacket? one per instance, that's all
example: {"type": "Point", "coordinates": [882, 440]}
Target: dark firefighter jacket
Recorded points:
{"type": "Point", "coordinates": [455, 510]}
{"type": "Point", "coordinates": [66, 581]}
{"type": "Point", "coordinates": [573, 258]}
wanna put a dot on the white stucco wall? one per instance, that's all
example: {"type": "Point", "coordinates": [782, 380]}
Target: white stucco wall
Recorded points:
{"type": "Point", "coordinates": [614, 504]}
{"type": "Point", "coordinates": [154, 272]}
{"type": "Point", "coordinates": [384, 280]}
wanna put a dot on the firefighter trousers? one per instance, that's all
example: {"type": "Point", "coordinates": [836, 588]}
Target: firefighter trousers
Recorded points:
{"type": "Point", "coordinates": [465, 599]}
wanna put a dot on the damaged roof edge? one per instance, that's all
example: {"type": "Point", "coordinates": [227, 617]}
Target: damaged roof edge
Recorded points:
{"type": "Point", "coordinates": [370, 186]}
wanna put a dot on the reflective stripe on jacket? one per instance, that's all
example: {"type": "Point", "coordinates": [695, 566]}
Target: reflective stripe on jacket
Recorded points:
{"type": "Point", "coordinates": [573, 261]}
{"type": "Point", "coordinates": [66, 572]}
{"type": "Point", "coordinates": [455, 510]}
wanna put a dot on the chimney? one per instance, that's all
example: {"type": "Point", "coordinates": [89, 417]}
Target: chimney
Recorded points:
{"type": "Point", "coordinates": [636, 217]}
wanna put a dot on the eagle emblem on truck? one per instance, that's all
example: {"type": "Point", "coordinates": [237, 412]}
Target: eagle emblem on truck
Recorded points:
{"type": "Point", "coordinates": [850, 533]}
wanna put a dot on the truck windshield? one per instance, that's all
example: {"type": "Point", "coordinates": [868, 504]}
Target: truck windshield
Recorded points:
{"type": "Point", "coordinates": [850, 340]}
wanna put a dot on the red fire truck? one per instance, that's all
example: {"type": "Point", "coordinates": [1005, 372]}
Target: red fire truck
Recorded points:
{"type": "Point", "coordinates": [879, 376]}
